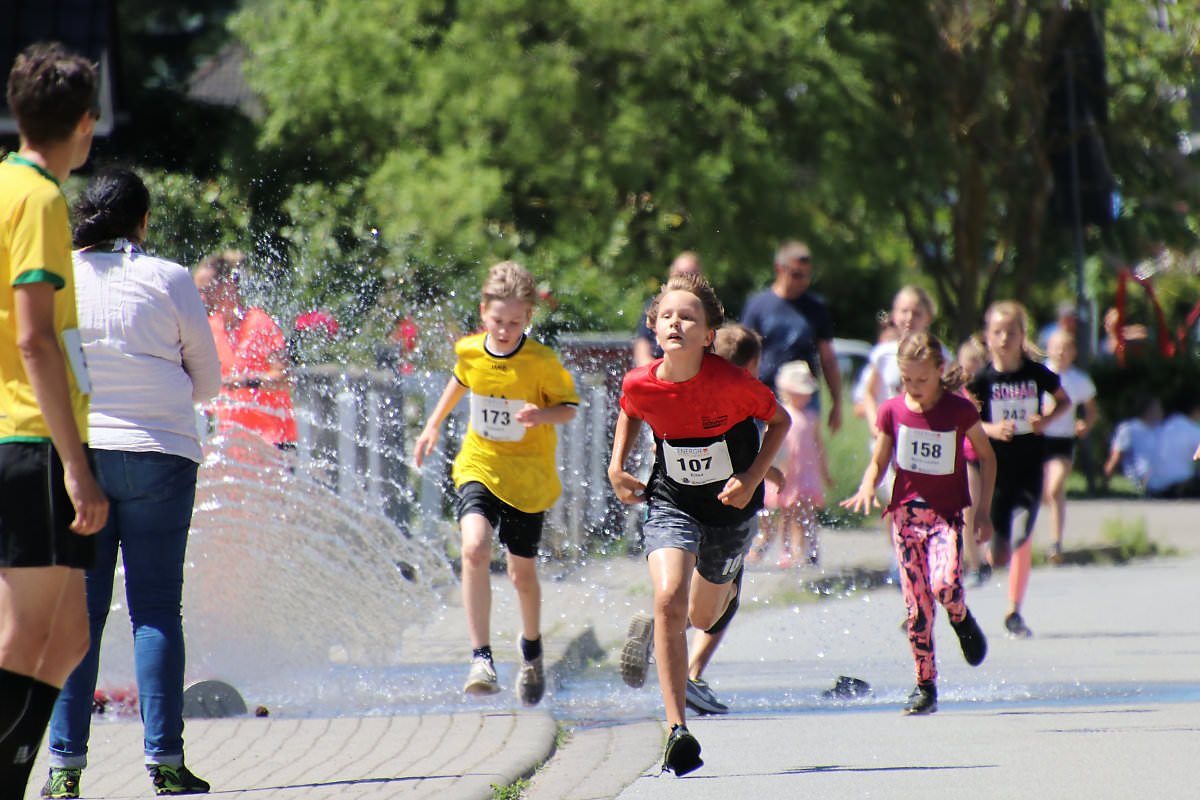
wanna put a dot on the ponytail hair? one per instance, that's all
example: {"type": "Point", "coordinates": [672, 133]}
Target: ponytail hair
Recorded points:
{"type": "Point", "coordinates": [923, 346]}
{"type": "Point", "coordinates": [112, 207]}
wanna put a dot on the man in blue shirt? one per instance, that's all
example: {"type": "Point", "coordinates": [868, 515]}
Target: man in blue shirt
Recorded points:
{"type": "Point", "coordinates": [795, 324]}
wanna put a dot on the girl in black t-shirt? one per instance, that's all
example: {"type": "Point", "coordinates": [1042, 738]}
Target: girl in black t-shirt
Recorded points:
{"type": "Point", "coordinates": [1009, 390]}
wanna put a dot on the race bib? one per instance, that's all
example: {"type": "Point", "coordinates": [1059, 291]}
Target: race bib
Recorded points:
{"type": "Point", "coordinates": [73, 347]}
{"type": "Point", "coordinates": [1020, 411]}
{"type": "Point", "coordinates": [495, 418]}
{"type": "Point", "coordinates": [924, 451]}
{"type": "Point", "coordinates": [697, 466]}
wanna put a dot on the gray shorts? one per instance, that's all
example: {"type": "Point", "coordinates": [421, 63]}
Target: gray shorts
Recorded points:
{"type": "Point", "coordinates": [719, 551]}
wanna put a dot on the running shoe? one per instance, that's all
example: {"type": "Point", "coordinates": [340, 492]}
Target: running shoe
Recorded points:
{"type": "Point", "coordinates": [531, 682]}
{"type": "Point", "coordinates": [971, 638]}
{"type": "Point", "coordinates": [175, 780]}
{"type": "Point", "coordinates": [481, 679]}
{"type": "Point", "coordinates": [682, 754]}
{"type": "Point", "coordinates": [638, 649]}
{"type": "Point", "coordinates": [923, 699]}
{"type": "Point", "coordinates": [983, 574]}
{"type": "Point", "coordinates": [700, 698]}
{"type": "Point", "coordinates": [847, 688]}
{"type": "Point", "coordinates": [63, 782]}
{"type": "Point", "coordinates": [1056, 555]}
{"type": "Point", "coordinates": [1016, 627]}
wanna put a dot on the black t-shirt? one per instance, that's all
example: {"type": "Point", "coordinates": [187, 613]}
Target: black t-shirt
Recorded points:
{"type": "Point", "coordinates": [1015, 397]}
{"type": "Point", "coordinates": [792, 330]}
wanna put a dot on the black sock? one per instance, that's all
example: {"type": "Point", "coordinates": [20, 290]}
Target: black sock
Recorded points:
{"type": "Point", "coordinates": [531, 650]}
{"type": "Point", "coordinates": [723, 621]}
{"type": "Point", "coordinates": [482, 652]}
{"type": "Point", "coordinates": [25, 708]}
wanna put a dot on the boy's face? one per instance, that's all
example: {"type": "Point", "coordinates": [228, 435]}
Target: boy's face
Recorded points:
{"type": "Point", "coordinates": [82, 140]}
{"type": "Point", "coordinates": [681, 324]}
{"type": "Point", "coordinates": [505, 321]}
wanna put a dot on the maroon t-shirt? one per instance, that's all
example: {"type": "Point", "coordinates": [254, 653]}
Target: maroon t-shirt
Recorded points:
{"type": "Point", "coordinates": [928, 451]}
{"type": "Point", "coordinates": [704, 431]}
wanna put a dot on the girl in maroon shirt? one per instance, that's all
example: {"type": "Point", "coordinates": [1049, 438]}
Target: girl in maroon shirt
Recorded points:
{"type": "Point", "coordinates": [921, 433]}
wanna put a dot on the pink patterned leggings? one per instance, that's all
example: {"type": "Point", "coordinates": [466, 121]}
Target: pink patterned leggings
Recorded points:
{"type": "Point", "coordinates": [928, 548]}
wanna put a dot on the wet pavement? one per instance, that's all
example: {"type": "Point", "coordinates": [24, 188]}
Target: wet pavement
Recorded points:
{"type": "Point", "coordinates": [1104, 701]}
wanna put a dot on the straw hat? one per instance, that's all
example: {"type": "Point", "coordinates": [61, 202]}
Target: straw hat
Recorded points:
{"type": "Point", "coordinates": [796, 377]}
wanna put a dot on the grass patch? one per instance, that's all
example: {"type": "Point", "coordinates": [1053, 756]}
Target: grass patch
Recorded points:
{"type": "Point", "coordinates": [513, 791]}
{"type": "Point", "coordinates": [1130, 538]}
{"type": "Point", "coordinates": [562, 735]}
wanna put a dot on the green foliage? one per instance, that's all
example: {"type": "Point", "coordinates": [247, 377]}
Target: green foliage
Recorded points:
{"type": "Point", "coordinates": [1130, 538]}
{"type": "Point", "coordinates": [513, 791]}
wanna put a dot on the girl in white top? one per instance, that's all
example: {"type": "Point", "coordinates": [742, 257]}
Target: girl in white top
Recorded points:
{"type": "Point", "coordinates": [1062, 431]}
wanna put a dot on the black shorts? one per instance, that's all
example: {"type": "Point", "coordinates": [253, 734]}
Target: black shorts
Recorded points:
{"type": "Point", "coordinates": [35, 511]}
{"type": "Point", "coordinates": [519, 531]}
{"type": "Point", "coordinates": [1060, 447]}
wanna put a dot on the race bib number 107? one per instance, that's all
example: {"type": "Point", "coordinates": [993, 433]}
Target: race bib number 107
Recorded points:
{"type": "Point", "coordinates": [696, 466]}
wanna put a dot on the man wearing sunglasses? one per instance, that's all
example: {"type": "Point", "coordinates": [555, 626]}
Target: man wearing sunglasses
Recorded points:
{"type": "Point", "coordinates": [795, 324]}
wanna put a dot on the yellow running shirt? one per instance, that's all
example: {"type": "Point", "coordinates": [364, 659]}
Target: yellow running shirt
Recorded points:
{"type": "Point", "coordinates": [35, 247]}
{"type": "Point", "coordinates": [515, 463]}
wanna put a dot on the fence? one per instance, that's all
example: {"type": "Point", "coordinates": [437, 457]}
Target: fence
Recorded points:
{"type": "Point", "coordinates": [357, 428]}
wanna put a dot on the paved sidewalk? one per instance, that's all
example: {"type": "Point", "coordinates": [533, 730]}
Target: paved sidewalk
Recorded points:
{"type": "Point", "coordinates": [1130, 632]}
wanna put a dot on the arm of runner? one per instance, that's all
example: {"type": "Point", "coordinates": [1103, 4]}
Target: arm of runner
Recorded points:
{"type": "Point", "coordinates": [531, 415]}
{"type": "Point", "coordinates": [869, 399]}
{"type": "Point", "coordinates": [740, 488]}
{"type": "Point", "coordinates": [46, 367]}
{"type": "Point", "coordinates": [1062, 404]}
{"type": "Point", "coordinates": [1091, 415]}
{"type": "Point", "coordinates": [833, 377]}
{"type": "Point", "coordinates": [864, 499]}
{"type": "Point", "coordinates": [987, 481]}
{"type": "Point", "coordinates": [627, 488]}
{"type": "Point", "coordinates": [429, 434]}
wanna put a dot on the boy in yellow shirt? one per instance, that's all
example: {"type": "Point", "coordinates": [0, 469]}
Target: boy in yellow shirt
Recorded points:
{"type": "Point", "coordinates": [505, 473]}
{"type": "Point", "coordinates": [50, 504]}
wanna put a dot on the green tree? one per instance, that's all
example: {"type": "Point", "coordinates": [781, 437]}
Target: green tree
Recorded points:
{"type": "Point", "coordinates": [591, 141]}
{"type": "Point", "coordinates": [953, 135]}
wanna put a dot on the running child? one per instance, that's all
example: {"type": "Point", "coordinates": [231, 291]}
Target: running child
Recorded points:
{"type": "Point", "coordinates": [741, 347]}
{"type": "Point", "coordinates": [704, 488]}
{"type": "Point", "coordinates": [921, 432]}
{"type": "Point", "coordinates": [805, 471]}
{"type": "Point", "coordinates": [1062, 432]}
{"type": "Point", "coordinates": [972, 356]}
{"type": "Point", "coordinates": [1010, 391]}
{"type": "Point", "coordinates": [505, 472]}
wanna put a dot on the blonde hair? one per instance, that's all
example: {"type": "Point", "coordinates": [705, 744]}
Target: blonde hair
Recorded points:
{"type": "Point", "coordinates": [737, 344]}
{"type": "Point", "coordinates": [924, 299]}
{"type": "Point", "coordinates": [1011, 309]}
{"type": "Point", "coordinates": [714, 312]}
{"type": "Point", "coordinates": [508, 280]}
{"type": "Point", "coordinates": [973, 347]}
{"type": "Point", "coordinates": [924, 347]}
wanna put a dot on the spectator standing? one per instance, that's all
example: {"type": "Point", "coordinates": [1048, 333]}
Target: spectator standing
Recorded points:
{"type": "Point", "coordinates": [152, 356]}
{"type": "Point", "coordinates": [50, 503]}
{"type": "Point", "coordinates": [796, 325]}
{"type": "Point", "coordinates": [255, 386]}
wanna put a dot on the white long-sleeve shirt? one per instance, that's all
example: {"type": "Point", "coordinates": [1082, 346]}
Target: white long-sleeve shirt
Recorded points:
{"type": "Point", "coordinates": [149, 351]}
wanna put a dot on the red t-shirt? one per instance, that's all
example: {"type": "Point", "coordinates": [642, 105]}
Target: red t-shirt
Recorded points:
{"type": "Point", "coordinates": [704, 432]}
{"type": "Point", "coordinates": [927, 452]}
{"type": "Point", "coordinates": [249, 348]}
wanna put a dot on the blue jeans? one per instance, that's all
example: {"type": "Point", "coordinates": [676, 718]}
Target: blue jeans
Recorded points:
{"type": "Point", "coordinates": [151, 497]}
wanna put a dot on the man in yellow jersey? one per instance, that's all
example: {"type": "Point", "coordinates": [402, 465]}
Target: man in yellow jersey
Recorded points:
{"type": "Point", "coordinates": [505, 472]}
{"type": "Point", "coordinates": [50, 505]}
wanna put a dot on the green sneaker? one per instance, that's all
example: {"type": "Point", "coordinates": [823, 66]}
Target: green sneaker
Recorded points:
{"type": "Point", "coordinates": [63, 782]}
{"type": "Point", "coordinates": [175, 780]}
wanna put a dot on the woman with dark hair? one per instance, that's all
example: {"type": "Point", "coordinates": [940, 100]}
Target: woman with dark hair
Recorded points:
{"type": "Point", "coordinates": [151, 356]}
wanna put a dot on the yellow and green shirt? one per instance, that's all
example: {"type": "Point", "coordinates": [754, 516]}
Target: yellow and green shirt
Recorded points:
{"type": "Point", "coordinates": [35, 247]}
{"type": "Point", "coordinates": [515, 463]}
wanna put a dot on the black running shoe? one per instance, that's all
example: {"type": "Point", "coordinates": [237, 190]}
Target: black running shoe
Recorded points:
{"type": "Point", "coordinates": [923, 699]}
{"type": "Point", "coordinates": [701, 699]}
{"type": "Point", "coordinates": [847, 688]}
{"type": "Point", "coordinates": [983, 575]}
{"type": "Point", "coordinates": [974, 643]}
{"type": "Point", "coordinates": [683, 752]}
{"type": "Point", "coordinates": [1016, 627]}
